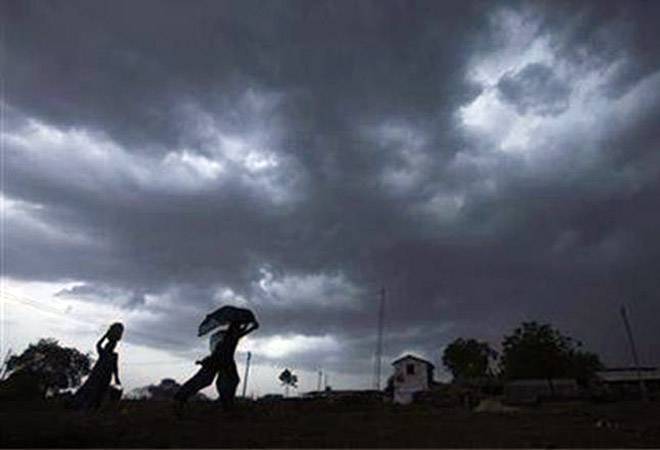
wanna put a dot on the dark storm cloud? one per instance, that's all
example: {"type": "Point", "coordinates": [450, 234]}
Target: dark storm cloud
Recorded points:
{"type": "Point", "coordinates": [605, 31]}
{"type": "Point", "coordinates": [153, 55]}
{"type": "Point", "coordinates": [535, 89]}
{"type": "Point", "coordinates": [295, 156]}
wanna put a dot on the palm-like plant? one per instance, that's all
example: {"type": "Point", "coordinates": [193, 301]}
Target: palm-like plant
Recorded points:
{"type": "Point", "coordinates": [288, 380]}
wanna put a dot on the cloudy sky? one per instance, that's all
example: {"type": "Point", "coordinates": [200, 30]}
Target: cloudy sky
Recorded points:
{"type": "Point", "coordinates": [486, 162]}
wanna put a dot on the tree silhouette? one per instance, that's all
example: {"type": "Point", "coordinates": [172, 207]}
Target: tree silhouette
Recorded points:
{"type": "Point", "coordinates": [288, 380]}
{"type": "Point", "coordinates": [55, 367]}
{"type": "Point", "coordinates": [468, 358]}
{"type": "Point", "coordinates": [539, 351]}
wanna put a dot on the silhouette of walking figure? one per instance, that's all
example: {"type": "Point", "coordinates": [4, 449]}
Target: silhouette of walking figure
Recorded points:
{"type": "Point", "coordinates": [91, 393]}
{"type": "Point", "coordinates": [221, 363]}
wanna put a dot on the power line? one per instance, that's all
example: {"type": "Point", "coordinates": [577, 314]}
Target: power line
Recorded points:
{"type": "Point", "coordinates": [47, 308]}
{"type": "Point", "coordinates": [41, 306]}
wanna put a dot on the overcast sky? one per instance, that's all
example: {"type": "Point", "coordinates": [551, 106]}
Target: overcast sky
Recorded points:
{"type": "Point", "coordinates": [487, 162]}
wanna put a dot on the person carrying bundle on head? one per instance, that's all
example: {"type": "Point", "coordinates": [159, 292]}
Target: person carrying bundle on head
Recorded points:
{"type": "Point", "coordinates": [91, 393]}
{"type": "Point", "coordinates": [219, 363]}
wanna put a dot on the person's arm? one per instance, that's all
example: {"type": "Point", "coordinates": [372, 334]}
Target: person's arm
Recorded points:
{"type": "Point", "coordinates": [115, 372]}
{"type": "Point", "coordinates": [203, 361]}
{"type": "Point", "coordinates": [99, 344]}
{"type": "Point", "coordinates": [249, 328]}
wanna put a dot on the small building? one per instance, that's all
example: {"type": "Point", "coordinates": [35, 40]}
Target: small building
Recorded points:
{"type": "Point", "coordinates": [528, 391]}
{"type": "Point", "coordinates": [411, 374]}
{"type": "Point", "coordinates": [625, 381]}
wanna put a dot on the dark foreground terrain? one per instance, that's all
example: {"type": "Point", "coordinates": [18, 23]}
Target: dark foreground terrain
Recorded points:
{"type": "Point", "coordinates": [296, 424]}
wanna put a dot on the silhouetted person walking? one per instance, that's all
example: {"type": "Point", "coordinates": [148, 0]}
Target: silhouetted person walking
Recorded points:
{"type": "Point", "coordinates": [91, 393]}
{"type": "Point", "coordinates": [221, 363]}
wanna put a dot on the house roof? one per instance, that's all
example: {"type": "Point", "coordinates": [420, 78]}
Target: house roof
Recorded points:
{"type": "Point", "coordinates": [413, 357]}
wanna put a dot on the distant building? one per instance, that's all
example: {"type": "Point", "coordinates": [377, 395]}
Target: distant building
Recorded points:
{"type": "Point", "coordinates": [271, 398]}
{"type": "Point", "coordinates": [348, 395]}
{"type": "Point", "coordinates": [624, 381]}
{"type": "Point", "coordinates": [411, 374]}
{"type": "Point", "coordinates": [532, 390]}
{"type": "Point", "coordinates": [629, 374]}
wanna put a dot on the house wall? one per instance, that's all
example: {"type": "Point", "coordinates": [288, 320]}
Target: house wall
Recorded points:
{"type": "Point", "coordinates": [406, 384]}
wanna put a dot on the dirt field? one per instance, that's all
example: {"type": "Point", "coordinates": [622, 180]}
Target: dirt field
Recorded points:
{"type": "Point", "coordinates": [289, 424]}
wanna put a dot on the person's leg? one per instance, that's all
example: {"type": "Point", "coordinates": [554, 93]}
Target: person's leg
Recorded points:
{"type": "Point", "coordinates": [219, 384]}
{"type": "Point", "coordinates": [203, 378]}
{"type": "Point", "coordinates": [226, 385]}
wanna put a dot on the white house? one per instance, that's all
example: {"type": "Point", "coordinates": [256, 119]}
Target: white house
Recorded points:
{"type": "Point", "coordinates": [411, 374]}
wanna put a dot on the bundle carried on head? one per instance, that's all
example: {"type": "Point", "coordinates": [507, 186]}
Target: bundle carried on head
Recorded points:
{"type": "Point", "coordinates": [224, 316]}
{"type": "Point", "coordinates": [115, 331]}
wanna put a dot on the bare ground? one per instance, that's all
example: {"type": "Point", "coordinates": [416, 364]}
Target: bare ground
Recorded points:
{"type": "Point", "coordinates": [297, 424]}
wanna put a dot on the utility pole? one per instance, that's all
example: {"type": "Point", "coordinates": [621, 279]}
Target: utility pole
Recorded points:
{"type": "Point", "coordinates": [379, 344]}
{"type": "Point", "coordinates": [318, 384]}
{"type": "Point", "coordinates": [633, 349]}
{"type": "Point", "coordinates": [247, 372]}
